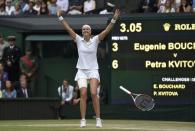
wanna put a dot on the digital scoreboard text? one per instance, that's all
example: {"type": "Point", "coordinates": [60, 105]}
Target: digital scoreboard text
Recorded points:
{"type": "Point", "coordinates": [154, 57]}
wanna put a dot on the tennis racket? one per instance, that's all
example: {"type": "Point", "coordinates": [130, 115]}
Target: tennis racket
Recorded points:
{"type": "Point", "coordinates": [142, 101]}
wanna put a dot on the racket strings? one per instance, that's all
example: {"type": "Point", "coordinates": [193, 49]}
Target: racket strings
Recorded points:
{"type": "Point", "coordinates": [144, 102]}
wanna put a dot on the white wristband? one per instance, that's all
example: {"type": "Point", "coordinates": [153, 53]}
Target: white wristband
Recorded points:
{"type": "Point", "coordinates": [113, 21]}
{"type": "Point", "coordinates": [60, 18]}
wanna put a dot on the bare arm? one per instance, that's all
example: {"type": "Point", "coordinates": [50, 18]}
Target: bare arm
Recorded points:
{"type": "Point", "coordinates": [67, 27]}
{"type": "Point", "coordinates": [105, 32]}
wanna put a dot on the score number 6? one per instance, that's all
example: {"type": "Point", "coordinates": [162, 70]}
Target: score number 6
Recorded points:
{"type": "Point", "coordinates": [133, 27]}
{"type": "Point", "coordinates": [115, 64]}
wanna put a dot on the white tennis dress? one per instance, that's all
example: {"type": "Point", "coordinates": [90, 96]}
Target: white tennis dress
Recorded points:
{"type": "Point", "coordinates": [87, 64]}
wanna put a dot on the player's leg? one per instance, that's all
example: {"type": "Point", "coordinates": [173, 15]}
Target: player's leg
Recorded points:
{"type": "Point", "coordinates": [83, 100]}
{"type": "Point", "coordinates": [95, 99]}
{"type": "Point", "coordinates": [83, 92]}
{"type": "Point", "coordinates": [93, 89]}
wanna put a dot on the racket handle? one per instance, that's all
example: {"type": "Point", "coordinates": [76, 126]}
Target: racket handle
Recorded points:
{"type": "Point", "coordinates": [125, 90]}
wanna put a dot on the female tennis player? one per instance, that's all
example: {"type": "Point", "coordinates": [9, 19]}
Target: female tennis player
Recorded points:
{"type": "Point", "coordinates": [87, 64]}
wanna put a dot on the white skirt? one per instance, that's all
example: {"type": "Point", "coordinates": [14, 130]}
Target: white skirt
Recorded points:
{"type": "Point", "coordinates": [87, 74]}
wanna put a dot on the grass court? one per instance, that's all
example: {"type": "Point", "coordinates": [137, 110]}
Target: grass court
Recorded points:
{"type": "Point", "coordinates": [108, 125]}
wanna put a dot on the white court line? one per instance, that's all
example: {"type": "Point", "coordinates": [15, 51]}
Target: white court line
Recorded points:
{"type": "Point", "coordinates": [90, 127]}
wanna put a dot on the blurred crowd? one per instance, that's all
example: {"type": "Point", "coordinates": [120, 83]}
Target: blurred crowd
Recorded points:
{"type": "Point", "coordinates": [77, 7]}
{"type": "Point", "coordinates": [167, 6]}
{"type": "Point", "coordinates": [47, 7]}
{"type": "Point", "coordinates": [18, 73]}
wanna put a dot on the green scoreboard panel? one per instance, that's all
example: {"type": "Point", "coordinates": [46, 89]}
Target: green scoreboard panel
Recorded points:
{"type": "Point", "coordinates": [154, 55]}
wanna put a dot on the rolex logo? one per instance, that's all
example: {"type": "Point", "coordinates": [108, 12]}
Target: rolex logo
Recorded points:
{"type": "Point", "coordinates": [166, 26]}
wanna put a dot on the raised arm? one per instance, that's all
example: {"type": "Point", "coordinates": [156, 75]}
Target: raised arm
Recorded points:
{"type": "Point", "coordinates": [105, 32]}
{"type": "Point", "coordinates": [66, 25]}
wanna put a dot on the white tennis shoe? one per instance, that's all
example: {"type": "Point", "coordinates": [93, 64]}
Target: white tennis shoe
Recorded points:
{"type": "Point", "coordinates": [98, 123]}
{"type": "Point", "coordinates": [83, 123]}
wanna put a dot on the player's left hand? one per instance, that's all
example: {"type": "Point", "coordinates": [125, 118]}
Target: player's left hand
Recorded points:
{"type": "Point", "coordinates": [116, 14]}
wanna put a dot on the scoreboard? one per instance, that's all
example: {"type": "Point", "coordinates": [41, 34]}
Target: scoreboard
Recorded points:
{"type": "Point", "coordinates": [154, 55]}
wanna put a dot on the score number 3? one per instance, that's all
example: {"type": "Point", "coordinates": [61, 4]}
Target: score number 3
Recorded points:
{"type": "Point", "coordinates": [133, 27]}
{"type": "Point", "coordinates": [114, 47]}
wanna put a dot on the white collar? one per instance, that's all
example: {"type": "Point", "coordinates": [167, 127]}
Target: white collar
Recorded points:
{"type": "Point", "coordinates": [11, 46]}
{"type": "Point", "coordinates": [87, 42]}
